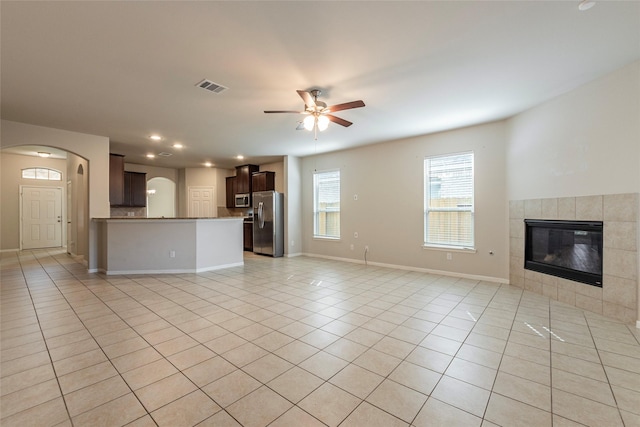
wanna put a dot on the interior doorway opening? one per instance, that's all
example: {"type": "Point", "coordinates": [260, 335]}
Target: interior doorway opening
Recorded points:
{"type": "Point", "coordinates": [161, 198]}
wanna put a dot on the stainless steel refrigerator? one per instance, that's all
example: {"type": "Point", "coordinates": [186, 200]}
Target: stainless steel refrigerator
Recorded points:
{"type": "Point", "coordinates": [268, 223]}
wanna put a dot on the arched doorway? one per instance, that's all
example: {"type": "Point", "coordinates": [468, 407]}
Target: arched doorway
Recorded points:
{"type": "Point", "coordinates": [161, 198]}
{"type": "Point", "coordinates": [74, 215]}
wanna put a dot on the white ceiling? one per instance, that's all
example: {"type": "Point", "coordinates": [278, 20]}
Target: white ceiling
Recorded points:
{"type": "Point", "coordinates": [129, 69]}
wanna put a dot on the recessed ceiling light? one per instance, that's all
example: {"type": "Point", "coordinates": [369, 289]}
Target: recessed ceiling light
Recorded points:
{"type": "Point", "coordinates": [177, 145]}
{"type": "Point", "coordinates": [240, 157]}
{"type": "Point", "coordinates": [155, 137]}
{"type": "Point", "coordinates": [44, 154]}
{"type": "Point", "coordinates": [151, 156]}
{"type": "Point", "coordinates": [208, 164]}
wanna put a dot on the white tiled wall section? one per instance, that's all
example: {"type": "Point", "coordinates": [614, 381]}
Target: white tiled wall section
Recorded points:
{"type": "Point", "coordinates": [618, 296]}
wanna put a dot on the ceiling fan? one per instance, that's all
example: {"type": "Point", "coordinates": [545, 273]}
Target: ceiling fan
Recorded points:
{"type": "Point", "coordinates": [317, 112]}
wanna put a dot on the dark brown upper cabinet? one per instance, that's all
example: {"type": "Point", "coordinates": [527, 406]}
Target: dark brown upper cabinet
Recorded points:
{"type": "Point", "coordinates": [263, 181]}
{"type": "Point", "coordinates": [135, 189]}
{"type": "Point", "coordinates": [127, 189]}
{"type": "Point", "coordinates": [116, 179]}
{"type": "Point", "coordinates": [231, 191]}
{"type": "Point", "coordinates": [243, 178]}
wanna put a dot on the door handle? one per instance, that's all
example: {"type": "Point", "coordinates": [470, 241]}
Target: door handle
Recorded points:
{"type": "Point", "coordinates": [261, 215]}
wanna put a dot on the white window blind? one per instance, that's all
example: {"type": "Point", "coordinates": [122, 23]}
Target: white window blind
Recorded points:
{"type": "Point", "coordinates": [326, 204]}
{"type": "Point", "coordinates": [448, 201]}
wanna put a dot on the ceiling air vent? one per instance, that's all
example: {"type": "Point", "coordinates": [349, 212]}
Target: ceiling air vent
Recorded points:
{"type": "Point", "coordinates": [211, 86]}
{"type": "Point", "coordinates": [164, 154]}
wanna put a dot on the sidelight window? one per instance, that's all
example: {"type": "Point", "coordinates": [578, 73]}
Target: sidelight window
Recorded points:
{"type": "Point", "coordinates": [448, 201]}
{"type": "Point", "coordinates": [326, 204]}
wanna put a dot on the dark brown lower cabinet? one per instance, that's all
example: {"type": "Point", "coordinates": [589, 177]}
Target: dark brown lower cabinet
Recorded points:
{"type": "Point", "coordinates": [248, 236]}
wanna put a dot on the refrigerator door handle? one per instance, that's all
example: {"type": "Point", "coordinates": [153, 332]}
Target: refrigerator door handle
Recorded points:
{"type": "Point", "coordinates": [261, 215]}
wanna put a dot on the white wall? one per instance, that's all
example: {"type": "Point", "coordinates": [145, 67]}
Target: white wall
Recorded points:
{"type": "Point", "coordinates": [586, 142]}
{"type": "Point", "coordinates": [292, 183]}
{"type": "Point", "coordinates": [95, 149]}
{"type": "Point", "coordinates": [221, 179]}
{"type": "Point", "coordinates": [388, 215]}
{"type": "Point", "coordinates": [79, 227]}
{"type": "Point", "coordinates": [153, 171]}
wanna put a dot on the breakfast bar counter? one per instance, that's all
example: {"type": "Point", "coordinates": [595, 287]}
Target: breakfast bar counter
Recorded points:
{"type": "Point", "coordinates": [134, 245]}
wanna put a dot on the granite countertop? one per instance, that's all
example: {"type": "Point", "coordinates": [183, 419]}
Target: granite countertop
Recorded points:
{"type": "Point", "coordinates": [138, 218]}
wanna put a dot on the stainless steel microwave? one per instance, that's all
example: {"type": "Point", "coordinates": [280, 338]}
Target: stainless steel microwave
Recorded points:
{"type": "Point", "coordinates": [243, 200]}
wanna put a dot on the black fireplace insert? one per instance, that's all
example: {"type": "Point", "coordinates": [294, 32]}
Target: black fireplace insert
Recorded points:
{"type": "Point", "coordinates": [568, 249]}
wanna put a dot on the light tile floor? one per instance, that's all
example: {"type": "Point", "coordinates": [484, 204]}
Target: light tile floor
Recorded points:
{"type": "Point", "coordinates": [302, 342]}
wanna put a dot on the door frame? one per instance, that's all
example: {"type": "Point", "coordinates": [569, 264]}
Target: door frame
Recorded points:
{"type": "Point", "coordinates": [62, 211]}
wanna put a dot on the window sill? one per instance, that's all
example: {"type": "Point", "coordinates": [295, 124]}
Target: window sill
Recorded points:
{"type": "Point", "coordinates": [326, 239]}
{"type": "Point", "coordinates": [450, 249]}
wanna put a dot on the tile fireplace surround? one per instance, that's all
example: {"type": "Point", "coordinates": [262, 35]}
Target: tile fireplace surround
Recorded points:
{"type": "Point", "coordinates": [618, 296]}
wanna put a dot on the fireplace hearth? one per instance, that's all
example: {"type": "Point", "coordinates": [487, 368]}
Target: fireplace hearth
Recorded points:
{"type": "Point", "coordinates": [567, 249]}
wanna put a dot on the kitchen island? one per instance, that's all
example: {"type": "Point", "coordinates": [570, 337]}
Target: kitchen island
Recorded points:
{"type": "Point", "coordinates": [136, 245]}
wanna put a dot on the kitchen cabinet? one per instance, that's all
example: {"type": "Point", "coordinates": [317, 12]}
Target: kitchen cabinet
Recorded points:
{"type": "Point", "coordinates": [248, 236]}
{"type": "Point", "coordinates": [126, 188]}
{"type": "Point", "coordinates": [243, 178]}
{"type": "Point", "coordinates": [116, 179]}
{"type": "Point", "coordinates": [135, 189]}
{"type": "Point", "coordinates": [231, 191]}
{"type": "Point", "coordinates": [263, 181]}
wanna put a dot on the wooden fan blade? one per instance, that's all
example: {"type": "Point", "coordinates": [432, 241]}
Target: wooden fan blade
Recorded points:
{"type": "Point", "coordinates": [345, 106]}
{"type": "Point", "coordinates": [338, 120]}
{"type": "Point", "coordinates": [307, 98]}
{"type": "Point", "coordinates": [286, 111]}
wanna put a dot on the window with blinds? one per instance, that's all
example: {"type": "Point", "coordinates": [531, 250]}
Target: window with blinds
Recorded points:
{"type": "Point", "coordinates": [448, 201]}
{"type": "Point", "coordinates": [326, 204]}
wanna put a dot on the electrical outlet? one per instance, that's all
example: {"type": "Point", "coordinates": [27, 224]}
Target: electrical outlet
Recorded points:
{"type": "Point", "coordinates": [366, 248]}
{"type": "Point", "coordinates": [352, 247]}
{"type": "Point", "coordinates": [355, 235]}
{"type": "Point", "coordinates": [355, 197]}
{"type": "Point", "coordinates": [172, 254]}
{"type": "Point", "coordinates": [448, 256]}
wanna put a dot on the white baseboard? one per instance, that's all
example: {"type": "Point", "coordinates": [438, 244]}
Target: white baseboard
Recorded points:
{"type": "Point", "coordinates": [418, 269]}
{"type": "Point", "coordinates": [10, 250]}
{"type": "Point", "coordinates": [174, 271]}
{"type": "Point", "coordinates": [293, 255]}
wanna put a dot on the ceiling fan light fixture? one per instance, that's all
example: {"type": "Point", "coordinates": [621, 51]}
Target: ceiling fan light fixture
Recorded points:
{"type": "Point", "coordinates": [309, 122]}
{"type": "Point", "coordinates": [318, 115]}
{"type": "Point", "coordinates": [323, 123]}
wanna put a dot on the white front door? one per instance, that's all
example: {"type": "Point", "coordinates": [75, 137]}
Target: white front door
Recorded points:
{"type": "Point", "coordinates": [41, 217]}
{"type": "Point", "coordinates": [202, 203]}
